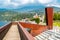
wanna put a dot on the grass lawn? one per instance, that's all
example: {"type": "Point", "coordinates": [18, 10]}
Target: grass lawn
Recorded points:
{"type": "Point", "coordinates": [56, 23]}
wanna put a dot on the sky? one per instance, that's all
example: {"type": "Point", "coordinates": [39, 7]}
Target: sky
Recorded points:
{"type": "Point", "coordinates": [13, 4]}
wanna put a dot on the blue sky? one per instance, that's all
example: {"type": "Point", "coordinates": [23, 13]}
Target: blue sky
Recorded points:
{"type": "Point", "coordinates": [13, 4]}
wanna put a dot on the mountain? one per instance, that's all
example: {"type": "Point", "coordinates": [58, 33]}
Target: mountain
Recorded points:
{"type": "Point", "coordinates": [56, 9]}
{"type": "Point", "coordinates": [29, 7]}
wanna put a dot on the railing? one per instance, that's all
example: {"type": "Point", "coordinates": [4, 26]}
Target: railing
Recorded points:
{"type": "Point", "coordinates": [4, 29]}
{"type": "Point", "coordinates": [24, 34]}
{"type": "Point", "coordinates": [35, 28]}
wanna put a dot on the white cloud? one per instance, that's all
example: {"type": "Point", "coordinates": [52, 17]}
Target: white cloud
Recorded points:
{"type": "Point", "coordinates": [6, 2]}
{"type": "Point", "coordinates": [45, 1]}
{"type": "Point", "coordinates": [32, 1]}
{"type": "Point", "coordinates": [24, 1]}
{"type": "Point", "coordinates": [53, 5]}
{"type": "Point", "coordinates": [50, 3]}
{"type": "Point", "coordinates": [16, 3]}
{"type": "Point", "coordinates": [21, 1]}
{"type": "Point", "coordinates": [57, 6]}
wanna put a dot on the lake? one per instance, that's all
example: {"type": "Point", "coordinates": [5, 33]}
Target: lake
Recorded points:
{"type": "Point", "coordinates": [2, 23]}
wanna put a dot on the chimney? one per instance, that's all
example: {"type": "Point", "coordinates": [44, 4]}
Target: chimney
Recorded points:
{"type": "Point", "coordinates": [49, 17]}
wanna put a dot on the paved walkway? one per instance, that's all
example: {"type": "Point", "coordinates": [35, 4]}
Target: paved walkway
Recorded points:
{"type": "Point", "coordinates": [12, 34]}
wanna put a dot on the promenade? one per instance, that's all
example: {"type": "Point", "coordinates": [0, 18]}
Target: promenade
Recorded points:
{"type": "Point", "coordinates": [12, 34]}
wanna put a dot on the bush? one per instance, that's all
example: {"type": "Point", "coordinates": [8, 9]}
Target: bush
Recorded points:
{"type": "Point", "coordinates": [56, 16]}
{"type": "Point", "coordinates": [37, 20]}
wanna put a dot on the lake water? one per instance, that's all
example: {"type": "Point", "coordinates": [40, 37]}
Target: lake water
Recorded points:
{"type": "Point", "coordinates": [2, 23]}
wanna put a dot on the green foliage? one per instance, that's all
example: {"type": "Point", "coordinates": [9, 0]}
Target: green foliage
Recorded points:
{"type": "Point", "coordinates": [56, 16]}
{"type": "Point", "coordinates": [37, 20]}
{"type": "Point", "coordinates": [56, 23]}
{"type": "Point", "coordinates": [14, 16]}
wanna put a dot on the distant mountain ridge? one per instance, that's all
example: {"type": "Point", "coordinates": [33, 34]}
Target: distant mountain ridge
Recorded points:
{"type": "Point", "coordinates": [28, 9]}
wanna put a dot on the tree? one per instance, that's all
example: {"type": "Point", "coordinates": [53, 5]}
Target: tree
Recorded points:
{"type": "Point", "coordinates": [58, 16]}
{"type": "Point", "coordinates": [37, 20]}
{"type": "Point", "coordinates": [55, 16]}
